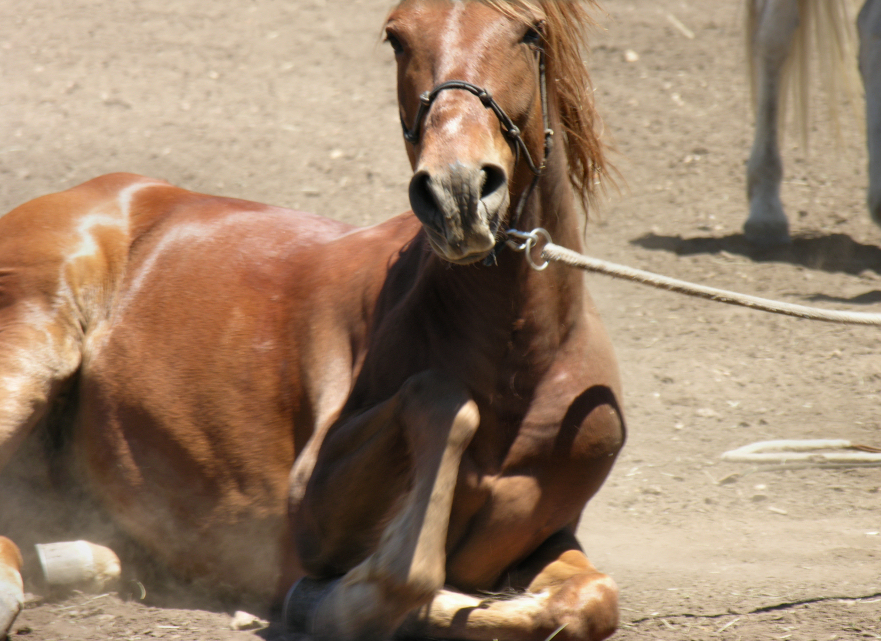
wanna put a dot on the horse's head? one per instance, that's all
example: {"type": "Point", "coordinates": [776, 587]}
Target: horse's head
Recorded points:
{"type": "Point", "coordinates": [468, 85]}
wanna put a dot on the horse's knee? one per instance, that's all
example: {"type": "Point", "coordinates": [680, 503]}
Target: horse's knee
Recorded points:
{"type": "Point", "coordinates": [429, 387]}
{"type": "Point", "coordinates": [436, 400]}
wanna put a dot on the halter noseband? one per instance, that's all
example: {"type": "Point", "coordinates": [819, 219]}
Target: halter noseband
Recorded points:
{"type": "Point", "coordinates": [511, 131]}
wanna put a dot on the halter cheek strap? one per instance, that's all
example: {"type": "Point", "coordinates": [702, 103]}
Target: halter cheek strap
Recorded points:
{"type": "Point", "coordinates": [511, 131]}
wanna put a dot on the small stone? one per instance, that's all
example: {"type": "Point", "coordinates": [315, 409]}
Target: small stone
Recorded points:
{"type": "Point", "coordinates": [245, 621]}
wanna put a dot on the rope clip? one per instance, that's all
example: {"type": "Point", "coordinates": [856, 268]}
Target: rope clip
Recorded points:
{"type": "Point", "coordinates": [530, 240]}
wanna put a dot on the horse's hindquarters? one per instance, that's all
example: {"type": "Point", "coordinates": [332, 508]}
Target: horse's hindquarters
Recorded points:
{"type": "Point", "coordinates": [188, 456]}
{"type": "Point", "coordinates": [229, 342]}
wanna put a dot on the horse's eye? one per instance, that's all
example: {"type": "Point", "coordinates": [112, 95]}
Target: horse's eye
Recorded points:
{"type": "Point", "coordinates": [395, 43]}
{"type": "Point", "coordinates": [533, 36]}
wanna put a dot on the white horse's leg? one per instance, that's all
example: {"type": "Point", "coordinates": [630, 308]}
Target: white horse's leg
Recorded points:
{"type": "Point", "coordinates": [775, 25]}
{"type": "Point", "coordinates": [869, 26]}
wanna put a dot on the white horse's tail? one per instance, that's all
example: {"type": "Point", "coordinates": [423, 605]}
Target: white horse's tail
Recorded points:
{"type": "Point", "coordinates": [827, 28]}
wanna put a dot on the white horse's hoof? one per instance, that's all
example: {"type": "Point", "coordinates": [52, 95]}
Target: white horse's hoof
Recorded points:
{"type": "Point", "coordinates": [767, 225]}
{"type": "Point", "coordinates": [766, 234]}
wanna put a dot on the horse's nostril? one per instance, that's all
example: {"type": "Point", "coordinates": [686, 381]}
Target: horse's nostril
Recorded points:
{"type": "Point", "coordinates": [493, 181]}
{"type": "Point", "coordinates": [422, 197]}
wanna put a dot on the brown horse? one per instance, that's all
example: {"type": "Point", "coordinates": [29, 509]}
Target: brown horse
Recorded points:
{"type": "Point", "coordinates": [404, 422]}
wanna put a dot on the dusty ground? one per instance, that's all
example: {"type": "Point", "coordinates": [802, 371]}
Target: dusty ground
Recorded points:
{"type": "Point", "coordinates": [292, 103]}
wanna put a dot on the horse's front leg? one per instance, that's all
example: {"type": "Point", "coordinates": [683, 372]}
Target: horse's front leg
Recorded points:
{"type": "Point", "coordinates": [559, 594]}
{"type": "Point", "coordinates": [382, 485]}
{"type": "Point", "coordinates": [771, 41]}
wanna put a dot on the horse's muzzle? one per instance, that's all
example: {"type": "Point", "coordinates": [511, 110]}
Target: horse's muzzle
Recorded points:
{"type": "Point", "coordinates": [461, 208]}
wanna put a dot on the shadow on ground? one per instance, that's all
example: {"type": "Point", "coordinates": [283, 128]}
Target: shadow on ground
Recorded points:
{"type": "Point", "coordinates": [830, 253]}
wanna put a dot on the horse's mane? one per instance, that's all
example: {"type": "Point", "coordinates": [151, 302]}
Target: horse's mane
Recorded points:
{"type": "Point", "coordinates": [566, 24]}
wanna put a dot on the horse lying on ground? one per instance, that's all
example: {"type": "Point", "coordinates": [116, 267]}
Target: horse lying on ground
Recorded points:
{"type": "Point", "coordinates": [399, 421]}
{"type": "Point", "coordinates": [778, 38]}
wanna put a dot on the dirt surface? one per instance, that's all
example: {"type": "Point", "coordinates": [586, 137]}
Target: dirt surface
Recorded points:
{"type": "Point", "coordinates": [293, 104]}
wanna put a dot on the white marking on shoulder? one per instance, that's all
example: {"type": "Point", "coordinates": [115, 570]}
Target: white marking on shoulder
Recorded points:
{"type": "Point", "coordinates": [127, 195]}
{"type": "Point", "coordinates": [86, 225]}
{"type": "Point", "coordinates": [84, 229]}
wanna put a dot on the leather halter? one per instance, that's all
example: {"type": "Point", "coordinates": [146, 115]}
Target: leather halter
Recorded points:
{"type": "Point", "coordinates": [511, 131]}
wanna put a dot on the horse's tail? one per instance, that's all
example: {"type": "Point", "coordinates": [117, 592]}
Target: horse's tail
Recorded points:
{"type": "Point", "coordinates": [827, 28]}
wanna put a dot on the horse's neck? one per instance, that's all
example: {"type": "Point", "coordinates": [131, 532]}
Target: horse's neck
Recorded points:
{"type": "Point", "coordinates": [509, 314]}
{"type": "Point", "coordinates": [553, 208]}
{"type": "Point", "coordinates": [553, 297]}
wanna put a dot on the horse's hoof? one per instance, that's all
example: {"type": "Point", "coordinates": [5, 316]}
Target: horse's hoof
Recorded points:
{"type": "Point", "coordinates": [767, 234]}
{"type": "Point", "coordinates": [302, 601]}
{"type": "Point", "coordinates": [78, 564]}
{"type": "Point", "coordinates": [766, 225]}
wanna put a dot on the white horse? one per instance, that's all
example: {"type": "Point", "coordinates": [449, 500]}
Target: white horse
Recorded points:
{"type": "Point", "coordinates": [779, 40]}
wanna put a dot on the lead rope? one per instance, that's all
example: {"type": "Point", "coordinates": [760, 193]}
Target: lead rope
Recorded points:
{"type": "Point", "coordinates": [555, 253]}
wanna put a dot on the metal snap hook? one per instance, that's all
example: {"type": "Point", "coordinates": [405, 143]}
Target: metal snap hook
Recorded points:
{"type": "Point", "coordinates": [530, 241]}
